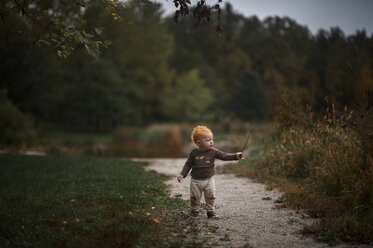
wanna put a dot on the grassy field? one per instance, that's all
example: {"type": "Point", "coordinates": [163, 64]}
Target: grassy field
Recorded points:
{"type": "Point", "coordinates": [65, 201]}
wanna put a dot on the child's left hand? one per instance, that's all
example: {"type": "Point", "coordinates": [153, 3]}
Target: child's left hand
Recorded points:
{"type": "Point", "coordinates": [179, 178]}
{"type": "Point", "coordinates": [239, 155]}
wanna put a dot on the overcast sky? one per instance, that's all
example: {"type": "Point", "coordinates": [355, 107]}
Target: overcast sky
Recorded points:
{"type": "Point", "coordinates": [349, 15]}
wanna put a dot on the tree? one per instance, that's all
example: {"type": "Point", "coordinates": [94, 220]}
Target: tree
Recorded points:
{"type": "Point", "coordinates": [188, 99]}
{"type": "Point", "coordinates": [28, 78]}
{"type": "Point", "coordinates": [143, 49]}
{"type": "Point", "coordinates": [231, 67]}
{"type": "Point", "coordinates": [250, 99]}
{"type": "Point", "coordinates": [100, 98]}
{"type": "Point", "coordinates": [59, 24]}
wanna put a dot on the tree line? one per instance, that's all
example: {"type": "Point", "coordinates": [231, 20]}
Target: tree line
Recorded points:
{"type": "Point", "coordinates": [158, 71]}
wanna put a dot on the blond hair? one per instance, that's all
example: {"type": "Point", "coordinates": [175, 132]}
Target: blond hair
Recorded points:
{"type": "Point", "coordinates": [198, 132]}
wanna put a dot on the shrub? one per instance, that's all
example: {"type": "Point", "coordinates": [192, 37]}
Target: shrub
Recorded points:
{"type": "Point", "coordinates": [15, 127]}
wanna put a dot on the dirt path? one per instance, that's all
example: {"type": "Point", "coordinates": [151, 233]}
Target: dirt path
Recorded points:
{"type": "Point", "coordinates": [248, 217]}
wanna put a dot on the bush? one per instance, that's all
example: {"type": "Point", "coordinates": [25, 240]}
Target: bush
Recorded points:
{"type": "Point", "coordinates": [15, 127]}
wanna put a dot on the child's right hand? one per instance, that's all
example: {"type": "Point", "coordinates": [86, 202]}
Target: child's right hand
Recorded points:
{"type": "Point", "coordinates": [239, 155]}
{"type": "Point", "coordinates": [179, 178]}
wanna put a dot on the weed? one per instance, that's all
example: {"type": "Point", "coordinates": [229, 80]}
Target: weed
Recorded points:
{"type": "Point", "coordinates": [292, 221]}
{"type": "Point", "coordinates": [247, 246]}
{"type": "Point", "coordinates": [322, 234]}
{"type": "Point", "coordinates": [280, 200]}
{"type": "Point", "coordinates": [225, 238]}
{"type": "Point", "coordinates": [213, 229]}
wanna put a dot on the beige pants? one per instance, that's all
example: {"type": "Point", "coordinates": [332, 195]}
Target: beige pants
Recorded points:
{"type": "Point", "coordinates": [207, 187]}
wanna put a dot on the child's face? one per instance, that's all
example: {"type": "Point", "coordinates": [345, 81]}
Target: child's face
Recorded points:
{"type": "Point", "coordinates": [206, 142]}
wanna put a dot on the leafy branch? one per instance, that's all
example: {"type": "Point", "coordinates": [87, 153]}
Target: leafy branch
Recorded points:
{"type": "Point", "coordinates": [201, 13]}
{"type": "Point", "coordinates": [57, 24]}
{"type": "Point", "coordinates": [60, 25]}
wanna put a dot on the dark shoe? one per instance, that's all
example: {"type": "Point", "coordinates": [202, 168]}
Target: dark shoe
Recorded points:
{"type": "Point", "coordinates": [212, 215]}
{"type": "Point", "coordinates": [194, 214]}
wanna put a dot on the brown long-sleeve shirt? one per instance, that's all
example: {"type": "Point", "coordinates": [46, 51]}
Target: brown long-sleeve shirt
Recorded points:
{"type": "Point", "coordinates": [202, 163]}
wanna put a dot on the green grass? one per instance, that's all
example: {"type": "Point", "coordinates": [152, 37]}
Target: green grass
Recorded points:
{"type": "Point", "coordinates": [71, 201]}
{"type": "Point", "coordinates": [55, 201]}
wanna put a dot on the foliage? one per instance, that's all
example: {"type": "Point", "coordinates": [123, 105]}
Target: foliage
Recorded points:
{"type": "Point", "coordinates": [142, 50]}
{"type": "Point", "coordinates": [188, 99]}
{"type": "Point", "coordinates": [61, 24]}
{"type": "Point", "coordinates": [105, 102]}
{"type": "Point", "coordinates": [239, 63]}
{"type": "Point", "coordinates": [150, 53]}
{"type": "Point", "coordinates": [15, 126]}
{"type": "Point", "coordinates": [250, 99]}
{"type": "Point", "coordinates": [201, 12]}
{"type": "Point", "coordinates": [325, 166]}
{"type": "Point", "coordinates": [58, 24]}
{"type": "Point", "coordinates": [27, 77]}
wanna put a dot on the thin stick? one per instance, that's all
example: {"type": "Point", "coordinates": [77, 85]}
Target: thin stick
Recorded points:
{"type": "Point", "coordinates": [247, 139]}
{"type": "Point", "coordinates": [248, 135]}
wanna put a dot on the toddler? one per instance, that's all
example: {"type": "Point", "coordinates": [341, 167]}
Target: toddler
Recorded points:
{"type": "Point", "coordinates": [201, 162]}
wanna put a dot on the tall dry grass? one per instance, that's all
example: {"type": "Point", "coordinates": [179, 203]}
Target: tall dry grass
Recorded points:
{"type": "Point", "coordinates": [325, 165]}
{"type": "Point", "coordinates": [157, 140]}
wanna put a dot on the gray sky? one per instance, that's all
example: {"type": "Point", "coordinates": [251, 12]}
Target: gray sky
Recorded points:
{"type": "Point", "coordinates": [349, 15]}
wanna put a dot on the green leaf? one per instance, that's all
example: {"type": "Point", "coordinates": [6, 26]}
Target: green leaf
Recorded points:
{"type": "Point", "coordinates": [94, 45]}
{"type": "Point", "coordinates": [66, 53]}
{"type": "Point", "coordinates": [82, 3]}
{"type": "Point", "coordinates": [108, 42]}
{"type": "Point", "coordinates": [98, 30]}
{"type": "Point", "coordinates": [59, 53]}
{"type": "Point", "coordinates": [45, 42]}
{"type": "Point", "coordinates": [88, 35]}
{"type": "Point", "coordinates": [83, 40]}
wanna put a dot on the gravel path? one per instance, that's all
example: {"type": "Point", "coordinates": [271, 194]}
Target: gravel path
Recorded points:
{"type": "Point", "coordinates": [248, 216]}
